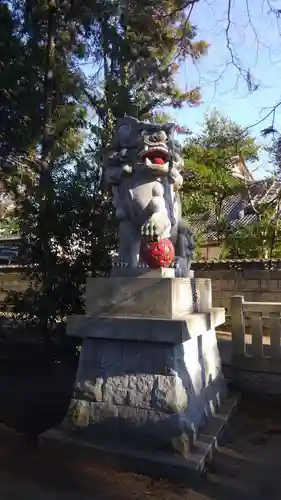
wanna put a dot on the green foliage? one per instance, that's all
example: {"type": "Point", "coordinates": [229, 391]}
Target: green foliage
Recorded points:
{"type": "Point", "coordinates": [16, 126]}
{"type": "Point", "coordinates": [63, 212]}
{"type": "Point", "coordinates": [199, 242]}
{"type": "Point", "coordinates": [81, 235]}
{"type": "Point", "coordinates": [221, 134]}
{"type": "Point", "coordinates": [259, 240]}
{"type": "Point", "coordinates": [9, 225]}
{"type": "Point", "coordinates": [44, 119]}
{"type": "Point", "coordinates": [23, 61]}
{"type": "Point", "coordinates": [140, 46]}
{"type": "Point", "coordinates": [209, 158]}
{"type": "Point", "coordinates": [274, 149]}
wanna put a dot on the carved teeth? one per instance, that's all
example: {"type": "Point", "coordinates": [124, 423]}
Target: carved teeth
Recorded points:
{"type": "Point", "coordinates": [160, 149]}
{"type": "Point", "coordinates": [148, 162]}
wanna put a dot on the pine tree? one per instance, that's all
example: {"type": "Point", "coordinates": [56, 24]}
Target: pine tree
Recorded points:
{"type": "Point", "coordinates": [209, 158]}
{"type": "Point", "coordinates": [140, 47]}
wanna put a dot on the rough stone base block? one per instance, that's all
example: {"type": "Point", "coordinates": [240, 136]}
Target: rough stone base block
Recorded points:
{"type": "Point", "coordinates": [152, 396]}
{"type": "Point", "coordinates": [157, 464]}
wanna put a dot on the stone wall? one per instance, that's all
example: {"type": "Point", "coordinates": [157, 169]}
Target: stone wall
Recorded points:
{"type": "Point", "coordinates": [255, 285]}
{"type": "Point", "coordinates": [10, 281]}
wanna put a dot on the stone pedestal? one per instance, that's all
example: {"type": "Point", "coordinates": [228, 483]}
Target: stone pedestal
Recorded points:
{"type": "Point", "coordinates": [149, 373]}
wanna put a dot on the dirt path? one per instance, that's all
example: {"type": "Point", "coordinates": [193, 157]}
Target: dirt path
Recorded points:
{"type": "Point", "coordinates": [247, 467]}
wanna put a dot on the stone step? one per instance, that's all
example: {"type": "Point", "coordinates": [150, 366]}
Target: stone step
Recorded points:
{"type": "Point", "coordinates": [160, 330]}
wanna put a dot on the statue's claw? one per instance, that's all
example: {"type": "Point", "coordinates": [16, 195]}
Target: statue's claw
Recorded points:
{"type": "Point", "coordinates": [154, 227]}
{"type": "Point", "coordinates": [148, 231]}
{"type": "Point", "coordinates": [127, 169]}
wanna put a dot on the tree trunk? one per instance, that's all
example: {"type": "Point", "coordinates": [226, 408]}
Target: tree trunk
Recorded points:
{"type": "Point", "coordinates": [108, 121]}
{"type": "Point", "coordinates": [45, 180]}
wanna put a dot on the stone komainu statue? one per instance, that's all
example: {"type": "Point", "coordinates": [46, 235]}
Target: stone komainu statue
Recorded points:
{"type": "Point", "coordinates": [142, 165]}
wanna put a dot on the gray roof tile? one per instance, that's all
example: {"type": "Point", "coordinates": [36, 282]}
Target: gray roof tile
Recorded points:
{"type": "Point", "coordinates": [232, 209]}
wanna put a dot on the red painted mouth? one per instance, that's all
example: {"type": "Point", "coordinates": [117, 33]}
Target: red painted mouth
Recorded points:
{"type": "Point", "coordinates": [158, 161]}
{"type": "Point", "coordinates": [156, 157]}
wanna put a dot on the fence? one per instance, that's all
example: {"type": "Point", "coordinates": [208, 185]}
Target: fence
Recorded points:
{"type": "Point", "coordinates": [254, 285]}
{"type": "Point", "coordinates": [11, 280]}
{"type": "Point", "coordinates": [257, 364]}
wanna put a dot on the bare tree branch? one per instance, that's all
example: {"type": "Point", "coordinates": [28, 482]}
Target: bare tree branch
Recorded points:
{"type": "Point", "coordinates": [243, 72]}
{"type": "Point", "coordinates": [271, 113]}
{"type": "Point", "coordinates": [246, 74]}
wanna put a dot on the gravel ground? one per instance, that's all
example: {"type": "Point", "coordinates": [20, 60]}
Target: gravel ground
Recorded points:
{"type": "Point", "coordinates": [248, 466]}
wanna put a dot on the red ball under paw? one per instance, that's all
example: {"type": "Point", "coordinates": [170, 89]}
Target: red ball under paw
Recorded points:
{"type": "Point", "coordinates": [158, 254]}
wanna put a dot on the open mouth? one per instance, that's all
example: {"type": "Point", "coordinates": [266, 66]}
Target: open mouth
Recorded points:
{"type": "Point", "coordinates": [156, 157]}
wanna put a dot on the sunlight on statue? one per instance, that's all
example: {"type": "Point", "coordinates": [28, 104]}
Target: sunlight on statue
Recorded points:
{"type": "Point", "coordinates": [143, 166]}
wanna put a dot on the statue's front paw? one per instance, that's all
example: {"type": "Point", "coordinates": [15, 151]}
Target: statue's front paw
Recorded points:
{"type": "Point", "coordinates": [154, 227]}
{"type": "Point", "coordinates": [127, 169]}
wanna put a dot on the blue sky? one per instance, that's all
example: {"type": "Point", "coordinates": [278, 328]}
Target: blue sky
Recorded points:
{"type": "Point", "coordinates": [262, 57]}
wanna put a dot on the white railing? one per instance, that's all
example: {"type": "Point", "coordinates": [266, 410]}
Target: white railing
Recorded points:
{"type": "Point", "coordinates": [263, 353]}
